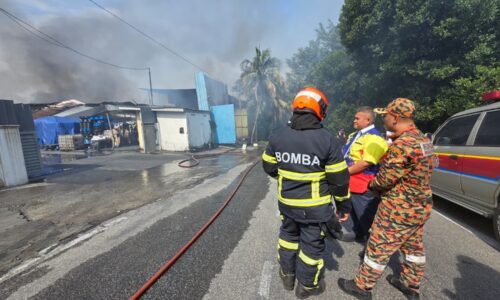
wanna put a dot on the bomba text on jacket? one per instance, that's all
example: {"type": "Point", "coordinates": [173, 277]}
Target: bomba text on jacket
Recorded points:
{"type": "Point", "coordinates": [297, 158]}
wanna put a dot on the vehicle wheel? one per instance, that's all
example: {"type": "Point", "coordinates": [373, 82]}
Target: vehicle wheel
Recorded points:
{"type": "Point", "coordinates": [496, 222]}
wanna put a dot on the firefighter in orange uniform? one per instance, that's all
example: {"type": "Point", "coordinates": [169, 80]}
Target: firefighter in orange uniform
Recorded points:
{"type": "Point", "coordinates": [307, 161]}
{"type": "Point", "coordinates": [406, 203]}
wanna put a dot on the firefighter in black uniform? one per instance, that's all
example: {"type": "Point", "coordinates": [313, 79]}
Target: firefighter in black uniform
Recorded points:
{"type": "Point", "coordinates": [308, 163]}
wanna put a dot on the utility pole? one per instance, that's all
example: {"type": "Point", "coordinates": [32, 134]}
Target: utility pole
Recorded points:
{"type": "Point", "coordinates": [150, 87]}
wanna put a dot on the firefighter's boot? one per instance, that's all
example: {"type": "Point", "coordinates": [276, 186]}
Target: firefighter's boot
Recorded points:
{"type": "Point", "coordinates": [408, 292]}
{"type": "Point", "coordinates": [361, 254]}
{"type": "Point", "coordinates": [303, 292]}
{"type": "Point", "coordinates": [288, 280]}
{"type": "Point", "coordinates": [350, 287]}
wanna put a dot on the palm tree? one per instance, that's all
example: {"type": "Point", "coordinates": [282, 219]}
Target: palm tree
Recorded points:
{"type": "Point", "coordinates": [261, 81]}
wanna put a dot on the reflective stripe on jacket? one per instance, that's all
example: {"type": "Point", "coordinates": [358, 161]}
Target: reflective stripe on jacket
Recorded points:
{"type": "Point", "coordinates": [310, 169]}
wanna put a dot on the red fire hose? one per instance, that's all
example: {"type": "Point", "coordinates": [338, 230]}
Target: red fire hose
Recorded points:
{"type": "Point", "coordinates": [165, 267]}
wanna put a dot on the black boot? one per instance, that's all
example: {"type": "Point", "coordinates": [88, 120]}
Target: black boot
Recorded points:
{"type": "Point", "coordinates": [361, 254]}
{"type": "Point", "coordinates": [302, 292]}
{"type": "Point", "coordinates": [288, 280]}
{"type": "Point", "coordinates": [409, 293]}
{"type": "Point", "coordinates": [350, 287]}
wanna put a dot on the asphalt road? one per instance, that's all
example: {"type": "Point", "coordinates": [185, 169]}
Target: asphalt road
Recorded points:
{"type": "Point", "coordinates": [236, 257]}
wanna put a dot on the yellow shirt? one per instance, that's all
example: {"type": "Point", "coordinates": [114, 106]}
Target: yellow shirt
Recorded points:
{"type": "Point", "coordinates": [368, 147]}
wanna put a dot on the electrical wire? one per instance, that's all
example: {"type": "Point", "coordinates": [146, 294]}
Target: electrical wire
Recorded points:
{"type": "Point", "coordinates": [149, 37]}
{"type": "Point", "coordinates": [49, 39]}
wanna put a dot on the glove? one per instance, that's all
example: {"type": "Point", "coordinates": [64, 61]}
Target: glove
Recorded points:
{"type": "Point", "coordinates": [343, 207]}
{"type": "Point", "coordinates": [335, 230]}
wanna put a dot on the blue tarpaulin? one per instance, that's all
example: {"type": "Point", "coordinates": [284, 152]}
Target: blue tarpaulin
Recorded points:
{"type": "Point", "coordinates": [49, 128]}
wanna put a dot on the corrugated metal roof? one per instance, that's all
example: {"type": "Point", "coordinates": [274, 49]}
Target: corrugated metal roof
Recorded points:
{"type": "Point", "coordinates": [80, 111]}
{"type": "Point", "coordinates": [179, 109]}
{"type": "Point", "coordinates": [86, 111]}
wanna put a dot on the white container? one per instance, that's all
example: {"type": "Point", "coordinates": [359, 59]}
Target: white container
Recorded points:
{"type": "Point", "coordinates": [181, 129]}
{"type": "Point", "coordinates": [12, 167]}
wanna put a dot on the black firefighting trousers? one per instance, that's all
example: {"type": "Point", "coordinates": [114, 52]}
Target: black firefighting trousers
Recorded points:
{"type": "Point", "coordinates": [300, 250]}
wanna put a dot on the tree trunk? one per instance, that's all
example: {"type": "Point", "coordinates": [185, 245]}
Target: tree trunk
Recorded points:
{"type": "Point", "coordinates": [257, 112]}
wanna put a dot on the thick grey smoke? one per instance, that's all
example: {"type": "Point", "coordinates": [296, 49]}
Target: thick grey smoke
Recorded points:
{"type": "Point", "coordinates": [216, 35]}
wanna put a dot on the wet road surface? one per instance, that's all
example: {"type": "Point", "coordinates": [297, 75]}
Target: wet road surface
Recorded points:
{"type": "Point", "coordinates": [236, 257]}
{"type": "Point", "coordinates": [91, 191]}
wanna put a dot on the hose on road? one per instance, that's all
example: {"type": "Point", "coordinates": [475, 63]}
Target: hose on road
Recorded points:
{"type": "Point", "coordinates": [192, 158]}
{"type": "Point", "coordinates": [167, 266]}
{"type": "Point", "coordinates": [195, 160]}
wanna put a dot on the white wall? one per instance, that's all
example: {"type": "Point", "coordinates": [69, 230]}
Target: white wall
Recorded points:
{"type": "Point", "coordinates": [169, 124]}
{"type": "Point", "coordinates": [199, 130]}
{"type": "Point", "coordinates": [13, 169]}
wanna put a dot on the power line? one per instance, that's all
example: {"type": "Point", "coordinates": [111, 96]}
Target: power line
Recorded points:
{"type": "Point", "coordinates": [49, 39]}
{"type": "Point", "coordinates": [149, 37]}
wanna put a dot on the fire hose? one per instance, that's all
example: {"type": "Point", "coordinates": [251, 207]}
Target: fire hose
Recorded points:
{"type": "Point", "coordinates": [195, 160]}
{"type": "Point", "coordinates": [171, 262]}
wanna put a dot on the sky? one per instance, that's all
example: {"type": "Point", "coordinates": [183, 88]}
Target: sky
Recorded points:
{"type": "Point", "coordinates": [215, 35]}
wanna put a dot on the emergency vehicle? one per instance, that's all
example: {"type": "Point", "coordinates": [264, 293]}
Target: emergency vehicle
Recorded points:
{"type": "Point", "coordinates": [468, 148]}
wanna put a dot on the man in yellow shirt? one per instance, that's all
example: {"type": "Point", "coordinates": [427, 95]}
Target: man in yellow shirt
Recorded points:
{"type": "Point", "coordinates": [362, 152]}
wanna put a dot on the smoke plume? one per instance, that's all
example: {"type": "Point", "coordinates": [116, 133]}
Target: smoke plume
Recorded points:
{"type": "Point", "coordinates": [216, 35]}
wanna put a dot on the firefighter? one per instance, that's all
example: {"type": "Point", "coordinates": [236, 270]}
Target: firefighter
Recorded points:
{"type": "Point", "coordinates": [362, 152]}
{"type": "Point", "coordinates": [406, 203]}
{"type": "Point", "coordinates": [307, 161]}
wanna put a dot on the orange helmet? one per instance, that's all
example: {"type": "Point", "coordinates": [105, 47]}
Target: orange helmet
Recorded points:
{"type": "Point", "coordinates": [311, 100]}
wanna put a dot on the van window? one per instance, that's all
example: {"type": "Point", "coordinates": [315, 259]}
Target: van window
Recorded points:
{"type": "Point", "coordinates": [489, 132]}
{"type": "Point", "coordinates": [456, 131]}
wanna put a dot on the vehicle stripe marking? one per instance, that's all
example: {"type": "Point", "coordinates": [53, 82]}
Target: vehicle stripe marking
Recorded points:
{"type": "Point", "coordinates": [474, 167]}
{"type": "Point", "coordinates": [494, 180]}
{"type": "Point", "coordinates": [468, 155]}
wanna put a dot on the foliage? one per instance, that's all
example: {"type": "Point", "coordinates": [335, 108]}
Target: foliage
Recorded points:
{"type": "Point", "coordinates": [325, 64]}
{"type": "Point", "coordinates": [442, 54]}
{"type": "Point", "coordinates": [427, 50]}
{"type": "Point", "coordinates": [304, 61]}
{"type": "Point", "coordinates": [463, 93]}
{"type": "Point", "coordinates": [261, 82]}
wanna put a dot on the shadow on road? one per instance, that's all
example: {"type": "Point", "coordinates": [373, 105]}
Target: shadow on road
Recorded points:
{"type": "Point", "coordinates": [480, 226]}
{"type": "Point", "coordinates": [476, 281]}
{"type": "Point", "coordinates": [333, 250]}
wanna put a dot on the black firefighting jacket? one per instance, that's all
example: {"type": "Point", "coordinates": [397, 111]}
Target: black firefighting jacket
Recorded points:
{"type": "Point", "coordinates": [308, 163]}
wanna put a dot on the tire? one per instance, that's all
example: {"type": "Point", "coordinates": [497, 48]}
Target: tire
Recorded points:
{"type": "Point", "coordinates": [496, 222]}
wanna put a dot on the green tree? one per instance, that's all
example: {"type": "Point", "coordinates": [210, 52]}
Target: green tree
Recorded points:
{"type": "Point", "coordinates": [324, 64]}
{"type": "Point", "coordinates": [442, 54]}
{"type": "Point", "coordinates": [463, 93]}
{"type": "Point", "coordinates": [422, 49]}
{"type": "Point", "coordinates": [306, 59]}
{"type": "Point", "coordinates": [262, 84]}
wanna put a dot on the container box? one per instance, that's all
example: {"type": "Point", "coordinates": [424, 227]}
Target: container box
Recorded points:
{"type": "Point", "coordinates": [70, 142]}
